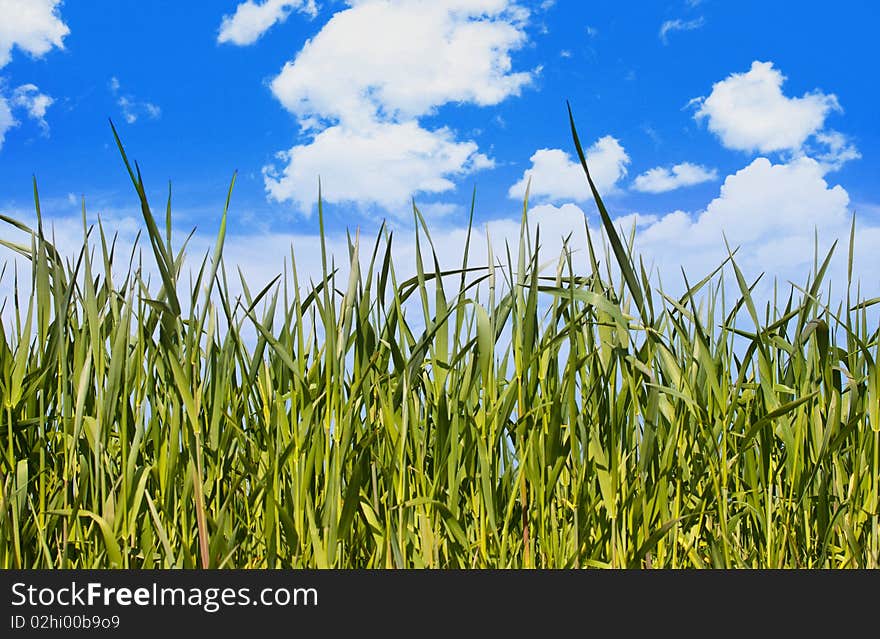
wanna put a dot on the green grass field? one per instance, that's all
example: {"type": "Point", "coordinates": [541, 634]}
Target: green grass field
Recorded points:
{"type": "Point", "coordinates": [513, 419]}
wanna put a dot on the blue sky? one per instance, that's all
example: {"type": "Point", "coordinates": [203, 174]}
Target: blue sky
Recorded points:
{"type": "Point", "coordinates": [757, 120]}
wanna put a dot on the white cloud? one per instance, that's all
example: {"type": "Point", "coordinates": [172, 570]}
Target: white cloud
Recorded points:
{"type": "Point", "coordinates": [359, 87]}
{"type": "Point", "coordinates": [661, 179]}
{"type": "Point", "coordinates": [770, 212]}
{"type": "Point", "coordinates": [763, 200]}
{"type": "Point", "coordinates": [679, 25]}
{"type": "Point", "coordinates": [251, 19]}
{"type": "Point", "coordinates": [402, 59]}
{"type": "Point", "coordinates": [556, 176]}
{"type": "Point", "coordinates": [749, 112]}
{"type": "Point", "coordinates": [383, 163]}
{"type": "Point", "coordinates": [29, 99]}
{"type": "Point", "coordinates": [35, 103]}
{"type": "Point", "coordinates": [839, 150]}
{"type": "Point", "coordinates": [33, 26]}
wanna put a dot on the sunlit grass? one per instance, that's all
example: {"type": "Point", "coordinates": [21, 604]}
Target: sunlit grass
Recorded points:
{"type": "Point", "coordinates": [616, 426]}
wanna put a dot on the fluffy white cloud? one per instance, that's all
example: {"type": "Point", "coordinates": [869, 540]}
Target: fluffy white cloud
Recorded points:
{"type": "Point", "coordinates": [29, 99]}
{"type": "Point", "coordinates": [839, 150]}
{"type": "Point", "coordinates": [679, 25]}
{"type": "Point", "coordinates": [382, 163]}
{"type": "Point", "coordinates": [770, 212]}
{"type": "Point", "coordinates": [33, 26]}
{"type": "Point", "coordinates": [661, 179]}
{"type": "Point", "coordinates": [759, 201]}
{"type": "Point", "coordinates": [556, 176]}
{"type": "Point", "coordinates": [359, 87]}
{"type": "Point", "coordinates": [35, 103]}
{"type": "Point", "coordinates": [401, 59]}
{"type": "Point", "coordinates": [749, 112]}
{"type": "Point", "coordinates": [252, 19]}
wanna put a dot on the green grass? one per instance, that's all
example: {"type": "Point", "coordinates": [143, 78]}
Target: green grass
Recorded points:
{"type": "Point", "coordinates": [616, 426]}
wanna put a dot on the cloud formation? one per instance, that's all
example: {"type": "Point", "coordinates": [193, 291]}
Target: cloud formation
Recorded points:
{"type": "Point", "coordinates": [749, 112]}
{"type": "Point", "coordinates": [556, 176]}
{"type": "Point", "coordinates": [402, 59]}
{"type": "Point", "coordinates": [662, 179]}
{"type": "Point", "coordinates": [252, 19]}
{"type": "Point", "coordinates": [760, 201]}
{"type": "Point", "coordinates": [838, 150]}
{"type": "Point", "coordinates": [34, 26]}
{"type": "Point", "coordinates": [371, 73]}
{"type": "Point", "coordinates": [34, 102]}
{"type": "Point", "coordinates": [382, 162]}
